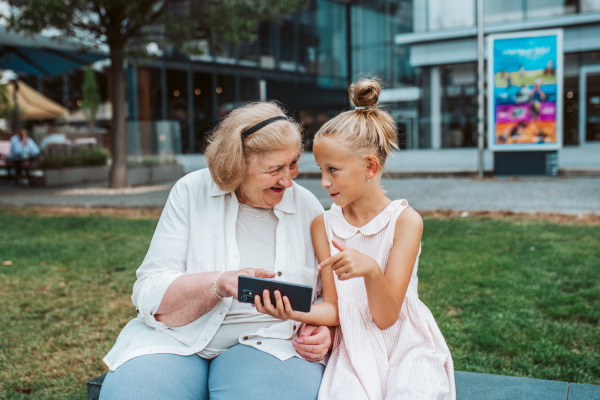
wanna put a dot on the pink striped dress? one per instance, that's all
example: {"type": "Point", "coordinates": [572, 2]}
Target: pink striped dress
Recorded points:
{"type": "Point", "coordinates": [409, 360]}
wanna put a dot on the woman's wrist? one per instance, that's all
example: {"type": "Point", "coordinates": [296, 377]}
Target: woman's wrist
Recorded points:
{"type": "Point", "coordinates": [220, 287]}
{"type": "Point", "coordinates": [215, 286]}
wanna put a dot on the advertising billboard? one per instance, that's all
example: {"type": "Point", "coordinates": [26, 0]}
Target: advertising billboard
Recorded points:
{"type": "Point", "coordinates": [525, 88]}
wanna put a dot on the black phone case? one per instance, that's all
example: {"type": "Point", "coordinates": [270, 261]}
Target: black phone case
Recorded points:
{"type": "Point", "coordinates": [300, 296]}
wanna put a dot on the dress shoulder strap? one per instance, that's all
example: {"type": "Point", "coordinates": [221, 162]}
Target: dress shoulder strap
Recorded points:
{"type": "Point", "coordinates": [389, 235]}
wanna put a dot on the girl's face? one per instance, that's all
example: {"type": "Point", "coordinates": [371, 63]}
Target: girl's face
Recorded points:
{"type": "Point", "coordinates": [343, 174]}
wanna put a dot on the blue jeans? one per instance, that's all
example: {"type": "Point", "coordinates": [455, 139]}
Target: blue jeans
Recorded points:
{"type": "Point", "coordinates": [241, 372]}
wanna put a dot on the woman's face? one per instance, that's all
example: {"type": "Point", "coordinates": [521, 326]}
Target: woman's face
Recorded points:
{"type": "Point", "coordinates": [268, 176]}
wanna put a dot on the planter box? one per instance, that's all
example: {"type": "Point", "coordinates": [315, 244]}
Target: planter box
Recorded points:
{"type": "Point", "coordinates": [71, 176]}
{"type": "Point", "coordinates": [84, 175]}
{"type": "Point", "coordinates": [152, 175]}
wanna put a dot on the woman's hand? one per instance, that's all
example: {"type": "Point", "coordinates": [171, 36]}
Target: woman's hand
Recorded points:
{"type": "Point", "coordinates": [314, 342]}
{"type": "Point", "coordinates": [349, 263]}
{"type": "Point", "coordinates": [281, 310]}
{"type": "Point", "coordinates": [227, 284]}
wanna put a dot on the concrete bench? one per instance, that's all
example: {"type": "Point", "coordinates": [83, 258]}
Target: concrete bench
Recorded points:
{"type": "Point", "coordinates": [474, 386]}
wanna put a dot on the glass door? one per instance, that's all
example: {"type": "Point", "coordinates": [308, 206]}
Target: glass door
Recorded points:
{"type": "Point", "coordinates": [589, 110]}
{"type": "Point", "coordinates": [408, 128]}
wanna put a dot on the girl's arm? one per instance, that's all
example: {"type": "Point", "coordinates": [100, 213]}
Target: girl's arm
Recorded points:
{"type": "Point", "coordinates": [385, 292]}
{"type": "Point", "coordinates": [324, 313]}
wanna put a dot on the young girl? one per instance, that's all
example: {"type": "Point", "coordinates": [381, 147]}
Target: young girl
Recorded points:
{"type": "Point", "coordinates": [368, 246]}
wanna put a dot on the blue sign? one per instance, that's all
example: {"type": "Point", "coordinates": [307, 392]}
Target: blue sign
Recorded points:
{"type": "Point", "coordinates": [525, 91]}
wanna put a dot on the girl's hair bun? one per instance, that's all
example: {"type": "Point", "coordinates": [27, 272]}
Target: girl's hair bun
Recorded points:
{"type": "Point", "coordinates": [365, 92]}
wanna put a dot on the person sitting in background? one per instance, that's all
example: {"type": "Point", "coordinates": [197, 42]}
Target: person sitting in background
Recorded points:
{"type": "Point", "coordinates": [22, 148]}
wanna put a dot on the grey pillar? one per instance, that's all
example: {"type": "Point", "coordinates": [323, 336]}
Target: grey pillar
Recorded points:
{"type": "Point", "coordinates": [191, 127]}
{"type": "Point", "coordinates": [480, 78]}
{"type": "Point", "coordinates": [436, 108]}
{"type": "Point", "coordinates": [262, 90]}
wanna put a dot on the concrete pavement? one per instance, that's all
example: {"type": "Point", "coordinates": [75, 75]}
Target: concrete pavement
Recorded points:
{"type": "Point", "coordinates": [527, 195]}
{"type": "Point", "coordinates": [577, 195]}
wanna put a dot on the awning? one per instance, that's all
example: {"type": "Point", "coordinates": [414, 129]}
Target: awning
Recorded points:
{"type": "Point", "coordinates": [42, 56]}
{"type": "Point", "coordinates": [33, 104]}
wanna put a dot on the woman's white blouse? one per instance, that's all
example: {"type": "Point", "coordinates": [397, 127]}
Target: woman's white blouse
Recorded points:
{"type": "Point", "coordinates": [197, 233]}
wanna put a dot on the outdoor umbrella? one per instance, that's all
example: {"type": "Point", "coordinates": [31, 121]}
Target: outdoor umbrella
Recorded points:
{"type": "Point", "coordinates": [35, 105]}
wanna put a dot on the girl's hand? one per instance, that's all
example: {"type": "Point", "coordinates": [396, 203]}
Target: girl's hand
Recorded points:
{"type": "Point", "coordinates": [349, 263]}
{"type": "Point", "coordinates": [281, 310]}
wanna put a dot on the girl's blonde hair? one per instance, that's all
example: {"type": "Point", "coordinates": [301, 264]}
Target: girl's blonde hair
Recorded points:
{"type": "Point", "coordinates": [227, 153]}
{"type": "Point", "coordinates": [367, 129]}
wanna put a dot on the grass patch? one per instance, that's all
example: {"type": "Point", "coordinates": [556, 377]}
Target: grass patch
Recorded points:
{"type": "Point", "coordinates": [511, 297]}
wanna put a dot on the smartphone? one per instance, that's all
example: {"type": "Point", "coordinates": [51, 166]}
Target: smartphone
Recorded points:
{"type": "Point", "coordinates": [300, 296]}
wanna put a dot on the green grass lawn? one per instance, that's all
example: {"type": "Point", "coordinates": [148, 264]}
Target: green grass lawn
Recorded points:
{"type": "Point", "coordinates": [511, 297]}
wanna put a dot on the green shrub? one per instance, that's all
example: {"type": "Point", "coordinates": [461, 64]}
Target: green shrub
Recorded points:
{"type": "Point", "coordinates": [85, 158]}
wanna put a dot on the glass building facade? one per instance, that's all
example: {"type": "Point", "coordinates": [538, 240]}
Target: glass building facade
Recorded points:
{"type": "Point", "coordinates": [442, 50]}
{"type": "Point", "coordinates": [423, 50]}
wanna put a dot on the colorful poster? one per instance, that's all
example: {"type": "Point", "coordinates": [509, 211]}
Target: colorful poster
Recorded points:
{"type": "Point", "coordinates": [525, 91]}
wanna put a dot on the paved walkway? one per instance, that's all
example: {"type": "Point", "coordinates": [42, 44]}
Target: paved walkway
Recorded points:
{"type": "Point", "coordinates": [570, 159]}
{"type": "Point", "coordinates": [528, 195]}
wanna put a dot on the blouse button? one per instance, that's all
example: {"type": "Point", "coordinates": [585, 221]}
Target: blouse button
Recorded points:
{"type": "Point", "coordinates": [245, 337]}
{"type": "Point", "coordinates": [279, 273]}
{"type": "Point", "coordinates": [258, 342]}
{"type": "Point", "coordinates": [138, 311]}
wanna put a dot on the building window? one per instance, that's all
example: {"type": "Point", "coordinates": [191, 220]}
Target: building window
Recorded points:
{"type": "Point", "coordinates": [590, 5]}
{"type": "Point", "coordinates": [451, 15]}
{"type": "Point", "coordinates": [549, 8]}
{"type": "Point", "coordinates": [499, 12]}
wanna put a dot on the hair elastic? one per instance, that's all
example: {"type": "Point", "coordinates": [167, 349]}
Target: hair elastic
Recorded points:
{"type": "Point", "coordinates": [363, 108]}
{"type": "Point", "coordinates": [261, 125]}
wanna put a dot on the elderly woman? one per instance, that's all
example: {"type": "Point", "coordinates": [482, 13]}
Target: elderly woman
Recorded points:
{"type": "Point", "coordinates": [242, 216]}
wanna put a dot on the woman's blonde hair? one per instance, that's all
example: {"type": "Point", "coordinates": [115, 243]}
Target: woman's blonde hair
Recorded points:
{"type": "Point", "coordinates": [367, 129]}
{"type": "Point", "coordinates": [227, 153]}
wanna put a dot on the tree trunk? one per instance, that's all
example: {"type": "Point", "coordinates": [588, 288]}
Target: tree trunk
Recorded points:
{"type": "Point", "coordinates": [118, 172]}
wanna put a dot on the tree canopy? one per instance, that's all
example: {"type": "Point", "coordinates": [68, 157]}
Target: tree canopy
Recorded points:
{"type": "Point", "coordinates": [127, 27]}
